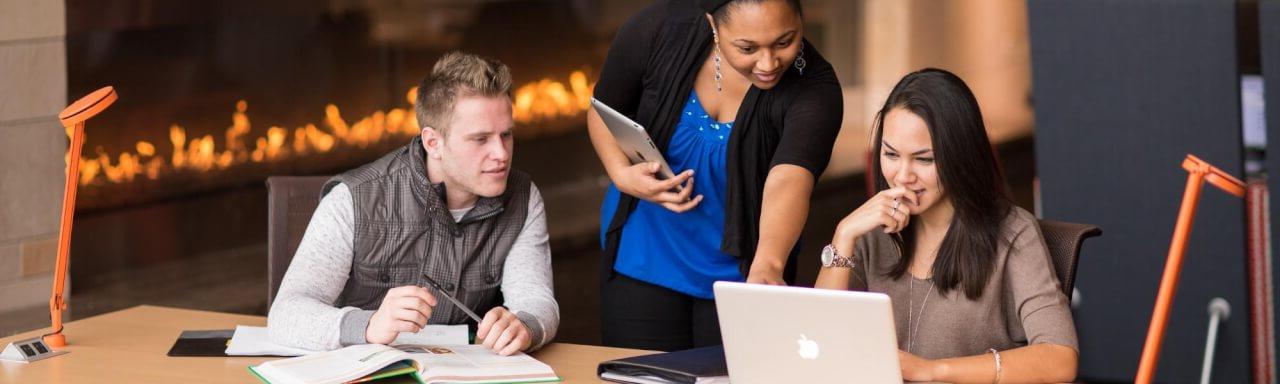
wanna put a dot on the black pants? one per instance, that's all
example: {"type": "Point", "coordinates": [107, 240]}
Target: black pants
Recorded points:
{"type": "Point", "coordinates": [636, 314]}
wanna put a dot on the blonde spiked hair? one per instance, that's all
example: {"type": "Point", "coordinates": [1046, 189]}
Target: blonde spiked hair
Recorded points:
{"type": "Point", "coordinates": [458, 74]}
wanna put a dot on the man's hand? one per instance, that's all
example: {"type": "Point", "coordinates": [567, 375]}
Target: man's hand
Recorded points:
{"type": "Point", "coordinates": [404, 309]}
{"type": "Point", "coordinates": [503, 332]}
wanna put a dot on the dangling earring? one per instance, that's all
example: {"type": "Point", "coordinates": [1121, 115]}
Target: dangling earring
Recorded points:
{"type": "Point", "coordinates": [800, 63]}
{"type": "Point", "coordinates": [716, 37]}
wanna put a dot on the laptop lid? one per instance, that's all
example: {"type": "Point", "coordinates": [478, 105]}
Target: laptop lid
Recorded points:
{"type": "Point", "coordinates": [776, 334]}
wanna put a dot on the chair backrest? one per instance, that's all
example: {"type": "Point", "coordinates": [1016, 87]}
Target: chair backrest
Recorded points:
{"type": "Point", "coordinates": [290, 202]}
{"type": "Point", "coordinates": [1064, 240]}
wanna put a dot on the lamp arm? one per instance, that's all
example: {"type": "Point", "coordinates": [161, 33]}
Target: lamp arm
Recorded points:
{"type": "Point", "coordinates": [1198, 172]}
{"type": "Point", "coordinates": [73, 117]}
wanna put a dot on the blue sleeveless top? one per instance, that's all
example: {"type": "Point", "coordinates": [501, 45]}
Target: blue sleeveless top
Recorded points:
{"type": "Point", "coordinates": [681, 251]}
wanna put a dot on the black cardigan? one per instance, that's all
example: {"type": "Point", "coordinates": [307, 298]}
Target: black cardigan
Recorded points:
{"type": "Point", "coordinates": [648, 75]}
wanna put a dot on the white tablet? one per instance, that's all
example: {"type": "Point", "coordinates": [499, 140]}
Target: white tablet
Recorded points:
{"type": "Point", "coordinates": [632, 138]}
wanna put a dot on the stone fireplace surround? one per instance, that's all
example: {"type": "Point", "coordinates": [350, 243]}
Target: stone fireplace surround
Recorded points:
{"type": "Point", "coordinates": [33, 83]}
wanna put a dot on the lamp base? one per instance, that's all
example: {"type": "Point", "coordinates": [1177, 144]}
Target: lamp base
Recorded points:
{"type": "Point", "coordinates": [57, 340]}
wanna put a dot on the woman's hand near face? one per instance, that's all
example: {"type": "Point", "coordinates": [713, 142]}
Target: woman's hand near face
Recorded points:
{"type": "Point", "coordinates": [888, 209]}
{"type": "Point", "coordinates": [641, 181]}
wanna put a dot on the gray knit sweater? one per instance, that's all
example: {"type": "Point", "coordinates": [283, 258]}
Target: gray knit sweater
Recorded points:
{"type": "Point", "coordinates": [303, 314]}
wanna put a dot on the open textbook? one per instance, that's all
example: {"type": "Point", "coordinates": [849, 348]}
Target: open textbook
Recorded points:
{"type": "Point", "coordinates": [421, 363]}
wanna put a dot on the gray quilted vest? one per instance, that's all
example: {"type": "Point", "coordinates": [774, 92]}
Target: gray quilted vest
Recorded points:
{"type": "Point", "coordinates": [403, 229]}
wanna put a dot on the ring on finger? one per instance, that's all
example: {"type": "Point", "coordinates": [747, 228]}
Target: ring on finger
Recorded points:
{"type": "Point", "coordinates": [896, 203]}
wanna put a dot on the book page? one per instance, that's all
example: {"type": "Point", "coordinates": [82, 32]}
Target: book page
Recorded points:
{"type": "Point", "coordinates": [436, 334]}
{"type": "Point", "coordinates": [253, 341]}
{"type": "Point", "coordinates": [476, 364]}
{"type": "Point", "coordinates": [338, 366]}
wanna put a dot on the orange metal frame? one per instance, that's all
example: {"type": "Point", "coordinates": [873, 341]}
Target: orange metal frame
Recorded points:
{"type": "Point", "coordinates": [73, 117]}
{"type": "Point", "coordinates": [1199, 172]}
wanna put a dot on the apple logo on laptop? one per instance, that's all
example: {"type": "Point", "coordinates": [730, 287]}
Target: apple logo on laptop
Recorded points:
{"type": "Point", "coordinates": [808, 348]}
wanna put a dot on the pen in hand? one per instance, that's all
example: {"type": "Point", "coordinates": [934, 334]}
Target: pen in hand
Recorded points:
{"type": "Point", "coordinates": [451, 299]}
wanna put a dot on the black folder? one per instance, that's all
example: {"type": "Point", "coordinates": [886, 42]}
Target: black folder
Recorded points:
{"type": "Point", "coordinates": [683, 367]}
{"type": "Point", "coordinates": [202, 343]}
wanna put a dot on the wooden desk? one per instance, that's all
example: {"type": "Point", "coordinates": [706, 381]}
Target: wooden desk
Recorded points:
{"type": "Point", "coordinates": [130, 346]}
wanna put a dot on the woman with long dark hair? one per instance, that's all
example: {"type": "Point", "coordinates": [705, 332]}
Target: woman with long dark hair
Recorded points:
{"type": "Point", "coordinates": [745, 112]}
{"type": "Point", "coordinates": [974, 294]}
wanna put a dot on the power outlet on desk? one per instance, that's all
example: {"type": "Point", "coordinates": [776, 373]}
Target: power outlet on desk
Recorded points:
{"type": "Point", "coordinates": [26, 351]}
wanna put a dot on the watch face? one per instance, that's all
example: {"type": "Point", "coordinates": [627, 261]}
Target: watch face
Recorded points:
{"type": "Point", "coordinates": [828, 255]}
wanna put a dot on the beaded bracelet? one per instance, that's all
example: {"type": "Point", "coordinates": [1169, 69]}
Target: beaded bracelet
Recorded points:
{"type": "Point", "coordinates": [999, 369]}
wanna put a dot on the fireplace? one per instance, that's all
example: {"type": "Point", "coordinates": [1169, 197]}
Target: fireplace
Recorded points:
{"type": "Point", "coordinates": [220, 94]}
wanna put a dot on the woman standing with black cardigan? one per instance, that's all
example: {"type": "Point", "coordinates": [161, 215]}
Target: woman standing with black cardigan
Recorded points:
{"type": "Point", "coordinates": [741, 104]}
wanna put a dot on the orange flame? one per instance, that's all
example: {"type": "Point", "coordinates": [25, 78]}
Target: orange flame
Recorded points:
{"type": "Point", "coordinates": [539, 101]}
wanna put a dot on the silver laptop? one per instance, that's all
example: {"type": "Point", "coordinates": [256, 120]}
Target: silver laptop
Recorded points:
{"type": "Point", "coordinates": [778, 334]}
{"type": "Point", "coordinates": [633, 139]}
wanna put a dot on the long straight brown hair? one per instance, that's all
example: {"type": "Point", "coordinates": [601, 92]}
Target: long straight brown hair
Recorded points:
{"type": "Point", "coordinates": [968, 171]}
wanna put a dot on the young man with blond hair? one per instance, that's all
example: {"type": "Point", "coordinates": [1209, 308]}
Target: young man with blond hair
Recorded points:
{"type": "Point", "coordinates": [446, 205]}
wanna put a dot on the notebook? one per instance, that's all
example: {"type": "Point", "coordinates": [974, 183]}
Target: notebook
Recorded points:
{"type": "Point", "coordinates": [253, 341]}
{"type": "Point", "coordinates": [407, 362]}
{"type": "Point", "coordinates": [694, 366]}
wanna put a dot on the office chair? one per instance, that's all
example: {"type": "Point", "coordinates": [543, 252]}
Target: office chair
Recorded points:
{"type": "Point", "coordinates": [1064, 240]}
{"type": "Point", "coordinates": [290, 202]}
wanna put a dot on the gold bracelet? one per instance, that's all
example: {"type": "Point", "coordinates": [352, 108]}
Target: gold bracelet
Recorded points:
{"type": "Point", "coordinates": [999, 369]}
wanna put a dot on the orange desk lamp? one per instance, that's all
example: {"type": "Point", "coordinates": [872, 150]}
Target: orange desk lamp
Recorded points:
{"type": "Point", "coordinates": [73, 118]}
{"type": "Point", "coordinates": [1199, 172]}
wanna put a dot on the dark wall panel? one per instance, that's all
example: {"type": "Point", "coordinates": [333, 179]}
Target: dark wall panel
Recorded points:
{"type": "Point", "coordinates": [1123, 90]}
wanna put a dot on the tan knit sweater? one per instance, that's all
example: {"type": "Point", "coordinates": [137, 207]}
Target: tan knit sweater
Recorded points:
{"type": "Point", "coordinates": [1021, 304]}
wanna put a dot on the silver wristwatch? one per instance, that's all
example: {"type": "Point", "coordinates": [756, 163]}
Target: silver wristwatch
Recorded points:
{"type": "Point", "coordinates": [831, 259]}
